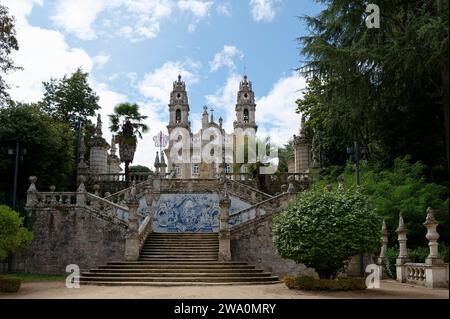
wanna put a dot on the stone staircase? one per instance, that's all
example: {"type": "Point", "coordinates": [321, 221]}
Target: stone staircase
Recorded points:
{"type": "Point", "coordinates": [178, 259]}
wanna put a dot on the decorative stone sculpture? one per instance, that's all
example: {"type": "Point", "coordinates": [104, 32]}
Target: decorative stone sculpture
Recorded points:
{"type": "Point", "coordinates": [432, 236]}
{"type": "Point", "coordinates": [291, 187]}
{"type": "Point", "coordinates": [402, 258]}
{"type": "Point", "coordinates": [384, 240]}
{"type": "Point", "coordinates": [31, 192]}
{"type": "Point", "coordinates": [81, 192]}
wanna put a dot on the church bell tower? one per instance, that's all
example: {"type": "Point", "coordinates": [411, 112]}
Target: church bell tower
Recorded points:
{"type": "Point", "coordinates": [245, 106]}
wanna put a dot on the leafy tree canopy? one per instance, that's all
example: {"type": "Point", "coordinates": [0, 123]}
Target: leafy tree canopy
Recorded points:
{"type": "Point", "coordinates": [8, 44]}
{"type": "Point", "coordinates": [386, 88]}
{"type": "Point", "coordinates": [70, 98]}
{"type": "Point", "coordinates": [49, 145]}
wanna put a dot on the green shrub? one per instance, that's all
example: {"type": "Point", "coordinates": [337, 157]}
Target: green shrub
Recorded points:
{"type": "Point", "coordinates": [323, 230]}
{"type": "Point", "coordinates": [310, 283]}
{"type": "Point", "coordinates": [402, 188]}
{"type": "Point", "coordinates": [10, 284]}
{"type": "Point", "coordinates": [12, 234]}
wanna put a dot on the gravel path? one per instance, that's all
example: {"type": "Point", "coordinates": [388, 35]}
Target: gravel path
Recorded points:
{"type": "Point", "coordinates": [57, 290]}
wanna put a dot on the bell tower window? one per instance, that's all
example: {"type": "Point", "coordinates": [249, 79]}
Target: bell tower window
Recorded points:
{"type": "Point", "coordinates": [178, 116]}
{"type": "Point", "coordinates": [246, 118]}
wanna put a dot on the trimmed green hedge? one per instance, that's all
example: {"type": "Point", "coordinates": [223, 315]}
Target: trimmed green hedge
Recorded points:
{"type": "Point", "coordinates": [311, 283]}
{"type": "Point", "coordinates": [10, 284]}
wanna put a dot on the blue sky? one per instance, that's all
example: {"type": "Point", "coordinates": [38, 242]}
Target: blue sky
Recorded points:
{"type": "Point", "coordinates": [134, 49]}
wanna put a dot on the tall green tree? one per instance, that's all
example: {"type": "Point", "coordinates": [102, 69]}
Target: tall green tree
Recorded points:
{"type": "Point", "coordinates": [386, 88]}
{"type": "Point", "coordinates": [70, 99]}
{"type": "Point", "coordinates": [49, 144]}
{"type": "Point", "coordinates": [8, 44]}
{"type": "Point", "coordinates": [126, 121]}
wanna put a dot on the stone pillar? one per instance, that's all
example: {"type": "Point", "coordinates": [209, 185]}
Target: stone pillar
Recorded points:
{"type": "Point", "coordinates": [31, 192]}
{"type": "Point", "coordinates": [81, 192]}
{"type": "Point", "coordinates": [224, 228]}
{"type": "Point", "coordinates": [132, 239]}
{"type": "Point", "coordinates": [402, 258]}
{"type": "Point", "coordinates": [384, 240]}
{"type": "Point", "coordinates": [382, 258]}
{"type": "Point", "coordinates": [435, 272]}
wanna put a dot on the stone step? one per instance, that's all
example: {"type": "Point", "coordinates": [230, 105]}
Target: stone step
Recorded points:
{"type": "Point", "coordinates": [184, 234]}
{"type": "Point", "coordinates": [180, 279]}
{"type": "Point", "coordinates": [178, 262]}
{"type": "Point", "coordinates": [181, 241]}
{"type": "Point", "coordinates": [180, 255]}
{"type": "Point", "coordinates": [177, 284]}
{"type": "Point", "coordinates": [181, 245]}
{"type": "Point", "coordinates": [179, 251]}
{"type": "Point", "coordinates": [175, 270]}
{"type": "Point", "coordinates": [162, 259]}
{"type": "Point", "coordinates": [175, 274]}
{"type": "Point", "coordinates": [176, 265]}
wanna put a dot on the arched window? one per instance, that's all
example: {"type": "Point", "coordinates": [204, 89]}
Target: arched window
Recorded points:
{"type": "Point", "coordinates": [245, 116]}
{"type": "Point", "coordinates": [178, 116]}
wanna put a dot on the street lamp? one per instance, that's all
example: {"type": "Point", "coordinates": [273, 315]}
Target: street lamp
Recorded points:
{"type": "Point", "coordinates": [355, 154]}
{"type": "Point", "coordinates": [19, 153]}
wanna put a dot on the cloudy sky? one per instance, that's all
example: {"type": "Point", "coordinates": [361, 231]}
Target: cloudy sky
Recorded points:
{"type": "Point", "coordinates": [134, 50]}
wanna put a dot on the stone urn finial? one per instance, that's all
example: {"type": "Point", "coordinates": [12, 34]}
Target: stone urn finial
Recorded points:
{"type": "Point", "coordinates": [432, 236]}
{"type": "Point", "coordinates": [33, 180]}
{"type": "Point", "coordinates": [52, 188]}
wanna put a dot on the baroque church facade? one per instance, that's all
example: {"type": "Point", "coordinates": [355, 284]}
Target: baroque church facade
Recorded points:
{"type": "Point", "coordinates": [194, 166]}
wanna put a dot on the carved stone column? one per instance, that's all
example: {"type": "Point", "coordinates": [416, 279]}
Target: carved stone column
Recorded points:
{"type": "Point", "coordinates": [81, 192]}
{"type": "Point", "coordinates": [435, 272]}
{"type": "Point", "coordinates": [31, 192]}
{"type": "Point", "coordinates": [132, 237]}
{"type": "Point", "coordinates": [402, 258]}
{"type": "Point", "coordinates": [384, 240]}
{"type": "Point", "coordinates": [224, 229]}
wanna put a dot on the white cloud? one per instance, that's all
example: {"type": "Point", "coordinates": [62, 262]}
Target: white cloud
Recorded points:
{"type": "Point", "coordinates": [200, 9]}
{"type": "Point", "coordinates": [43, 54]}
{"type": "Point", "coordinates": [275, 112]}
{"type": "Point", "coordinates": [157, 84]}
{"type": "Point", "coordinates": [132, 19]}
{"type": "Point", "coordinates": [101, 59]}
{"type": "Point", "coordinates": [224, 9]}
{"type": "Point", "coordinates": [224, 99]}
{"type": "Point", "coordinates": [263, 10]}
{"type": "Point", "coordinates": [225, 58]}
{"type": "Point", "coordinates": [78, 16]}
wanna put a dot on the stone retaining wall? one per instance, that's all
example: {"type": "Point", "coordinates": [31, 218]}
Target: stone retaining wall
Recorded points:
{"type": "Point", "coordinates": [252, 243]}
{"type": "Point", "coordinates": [67, 235]}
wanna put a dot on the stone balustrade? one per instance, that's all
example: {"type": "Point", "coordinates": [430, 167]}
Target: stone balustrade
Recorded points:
{"type": "Point", "coordinates": [258, 210]}
{"type": "Point", "coordinates": [434, 272]}
{"type": "Point", "coordinates": [416, 273]}
{"type": "Point", "coordinates": [144, 230]}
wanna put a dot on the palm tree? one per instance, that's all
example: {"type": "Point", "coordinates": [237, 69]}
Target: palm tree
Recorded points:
{"type": "Point", "coordinates": [126, 122]}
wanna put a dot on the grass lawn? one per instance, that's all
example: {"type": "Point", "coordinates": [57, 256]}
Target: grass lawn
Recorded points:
{"type": "Point", "coordinates": [27, 277]}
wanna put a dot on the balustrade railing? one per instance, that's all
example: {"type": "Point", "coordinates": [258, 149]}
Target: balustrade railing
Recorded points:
{"type": "Point", "coordinates": [118, 177]}
{"type": "Point", "coordinates": [256, 211]}
{"type": "Point", "coordinates": [56, 198]}
{"type": "Point", "coordinates": [416, 273]}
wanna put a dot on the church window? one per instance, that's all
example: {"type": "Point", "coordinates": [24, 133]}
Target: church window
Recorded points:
{"type": "Point", "coordinates": [178, 116]}
{"type": "Point", "coordinates": [228, 169]}
{"type": "Point", "coordinates": [195, 169]}
{"type": "Point", "coordinates": [246, 116]}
